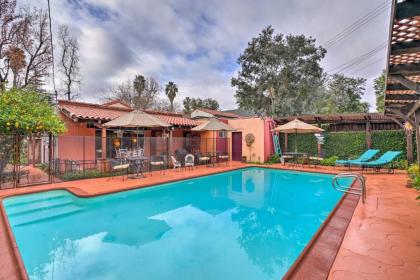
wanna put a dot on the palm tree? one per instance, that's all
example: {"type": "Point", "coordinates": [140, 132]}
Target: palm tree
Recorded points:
{"type": "Point", "coordinates": [171, 90]}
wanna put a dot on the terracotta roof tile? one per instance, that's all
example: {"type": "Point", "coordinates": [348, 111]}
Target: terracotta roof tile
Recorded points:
{"type": "Point", "coordinates": [219, 113]}
{"type": "Point", "coordinates": [89, 111]}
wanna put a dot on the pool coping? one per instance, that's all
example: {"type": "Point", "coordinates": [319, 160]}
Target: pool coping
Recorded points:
{"type": "Point", "coordinates": [290, 274]}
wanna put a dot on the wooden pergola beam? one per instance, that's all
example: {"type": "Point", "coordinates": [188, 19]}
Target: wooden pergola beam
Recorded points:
{"type": "Point", "coordinates": [405, 47]}
{"type": "Point", "coordinates": [402, 116]}
{"type": "Point", "coordinates": [407, 9]}
{"type": "Point", "coordinates": [396, 87]}
{"type": "Point", "coordinates": [406, 82]}
{"type": "Point", "coordinates": [397, 96]}
{"type": "Point", "coordinates": [404, 69]}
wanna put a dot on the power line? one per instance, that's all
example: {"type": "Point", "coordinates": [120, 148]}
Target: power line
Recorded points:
{"type": "Point", "coordinates": [367, 66]}
{"type": "Point", "coordinates": [52, 53]}
{"type": "Point", "coordinates": [357, 24]}
{"type": "Point", "coordinates": [358, 60]}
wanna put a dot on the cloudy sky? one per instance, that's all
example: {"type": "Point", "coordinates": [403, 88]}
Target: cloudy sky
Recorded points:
{"type": "Point", "coordinates": [196, 42]}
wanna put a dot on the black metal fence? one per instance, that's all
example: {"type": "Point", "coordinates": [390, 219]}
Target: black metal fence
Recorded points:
{"type": "Point", "coordinates": [30, 160]}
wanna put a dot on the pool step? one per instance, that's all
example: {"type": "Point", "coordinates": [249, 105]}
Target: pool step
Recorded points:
{"type": "Point", "coordinates": [47, 196]}
{"type": "Point", "coordinates": [38, 204]}
{"type": "Point", "coordinates": [43, 214]}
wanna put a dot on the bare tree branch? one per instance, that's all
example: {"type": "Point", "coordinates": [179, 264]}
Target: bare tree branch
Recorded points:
{"type": "Point", "coordinates": [69, 63]}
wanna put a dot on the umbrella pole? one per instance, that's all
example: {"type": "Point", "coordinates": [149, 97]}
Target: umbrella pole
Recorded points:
{"type": "Point", "coordinates": [295, 141]}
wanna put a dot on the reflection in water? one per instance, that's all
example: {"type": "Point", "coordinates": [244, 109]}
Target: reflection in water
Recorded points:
{"type": "Point", "coordinates": [247, 224]}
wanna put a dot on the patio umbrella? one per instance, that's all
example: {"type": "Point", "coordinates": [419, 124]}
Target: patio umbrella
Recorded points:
{"type": "Point", "coordinates": [136, 119]}
{"type": "Point", "coordinates": [296, 126]}
{"type": "Point", "coordinates": [213, 125]}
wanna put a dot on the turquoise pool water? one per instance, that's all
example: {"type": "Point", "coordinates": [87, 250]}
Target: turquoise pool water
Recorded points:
{"type": "Point", "coordinates": [245, 224]}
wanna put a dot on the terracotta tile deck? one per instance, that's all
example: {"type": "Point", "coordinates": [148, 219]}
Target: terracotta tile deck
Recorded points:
{"type": "Point", "coordinates": [381, 242]}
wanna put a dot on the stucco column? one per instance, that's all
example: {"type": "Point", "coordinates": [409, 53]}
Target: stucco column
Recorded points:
{"type": "Point", "coordinates": [103, 142]}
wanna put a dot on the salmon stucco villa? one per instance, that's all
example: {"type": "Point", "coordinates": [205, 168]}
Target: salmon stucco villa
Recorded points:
{"type": "Point", "coordinates": [87, 119]}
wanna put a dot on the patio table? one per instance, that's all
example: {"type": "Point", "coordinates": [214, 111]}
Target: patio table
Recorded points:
{"type": "Point", "coordinates": [296, 156]}
{"type": "Point", "coordinates": [138, 164]}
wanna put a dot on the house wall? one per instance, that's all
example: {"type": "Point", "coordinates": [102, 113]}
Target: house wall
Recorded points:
{"type": "Point", "coordinates": [259, 128]}
{"type": "Point", "coordinates": [77, 143]}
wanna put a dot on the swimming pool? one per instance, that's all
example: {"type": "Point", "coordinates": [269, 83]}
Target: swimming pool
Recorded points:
{"type": "Point", "coordinates": [250, 223]}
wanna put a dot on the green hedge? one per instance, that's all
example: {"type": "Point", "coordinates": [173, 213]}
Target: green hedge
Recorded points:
{"type": "Point", "coordinates": [344, 144]}
{"type": "Point", "coordinates": [349, 144]}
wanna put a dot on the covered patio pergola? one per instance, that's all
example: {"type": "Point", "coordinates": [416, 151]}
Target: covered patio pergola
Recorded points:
{"type": "Point", "coordinates": [402, 94]}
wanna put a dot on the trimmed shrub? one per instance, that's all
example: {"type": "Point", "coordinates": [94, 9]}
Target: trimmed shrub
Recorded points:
{"type": "Point", "coordinates": [329, 161]}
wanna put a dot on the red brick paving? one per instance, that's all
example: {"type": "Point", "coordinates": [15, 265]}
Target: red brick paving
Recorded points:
{"type": "Point", "coordinates": [381, 242]}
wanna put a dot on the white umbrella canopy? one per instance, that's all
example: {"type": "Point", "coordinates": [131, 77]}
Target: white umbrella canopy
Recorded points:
{"type": "Point", "coordinates": [297, 126]}
{"type": "Point", "coordinates": [137, 119]}
{"type": "Point", "coordinates": [213, 125]}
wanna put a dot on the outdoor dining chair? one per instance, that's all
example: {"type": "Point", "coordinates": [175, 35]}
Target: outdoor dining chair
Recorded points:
{"type": "Point", "coordinates": [118, 166]}
{"type": "Point", "coordinates": [203, 159]}
{"type": "Point", "coordinates": [189, 161]}
{"type": "Point", "coordinates": [156, 161]}
{"type": "Point", "coordinates": [222, 157]}
{"type": "Point", "coordinates": [176, 163]}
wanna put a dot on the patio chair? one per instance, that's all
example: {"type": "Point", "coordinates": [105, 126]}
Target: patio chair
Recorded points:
{"type": "Point", "coordinates": [156, 161]}
{"type": "Point", "coordinates": [176, 163]}
{"type": "Point", "coordinates": [71, 166]}
{"type": "Point", "coordinates": [189, 161]}
{"type": "Point", "coordinates": [384, 160]}
{"type": "Point", "coordinates": [222, 157]}
{"type": "Point", "coordinates": [203, 159]}
{"type": "Point", "coordinates": [366, 156]}
{"type": "Point", "coordinates": [117, 166]}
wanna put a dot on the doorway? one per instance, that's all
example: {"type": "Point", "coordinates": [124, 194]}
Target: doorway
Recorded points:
{"type": "Point", "coordinates": [236, 146]}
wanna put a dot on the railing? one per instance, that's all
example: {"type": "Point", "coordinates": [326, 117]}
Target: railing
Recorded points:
{"type": "Point", "coordinates": [353, 188]}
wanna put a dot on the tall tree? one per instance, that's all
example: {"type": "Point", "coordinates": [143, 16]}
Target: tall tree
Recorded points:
{"type": "Point", "coordinates": [34, 39]}
{"type": "Point", "coordinates": [190, 104]}
{"type": "Point", "coordinates": [279, 74]}
{"type": "Point", "coordinates": [171, 90]}
{"type": "Point", "coordinates": [140, 93]}
{"type": "Point", "coordinates": [69, 62]}
{"type": "Point", "coordinates": [11, 24]}
{"type": "Point", "coordinates": [379, 87]}
{"type": "Point", "coordinates": [344, 95]}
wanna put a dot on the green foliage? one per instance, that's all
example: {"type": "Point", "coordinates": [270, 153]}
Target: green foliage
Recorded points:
{"type": "Point", "coordinates": [401, 164]}
{"type": "Point", "coordinates": [25, 112]}
{"type": "Point", "coordinates": [345, 145]}
{"type": "Point", "coordinates": [413, 170]}
{"type": "Point", "coordinates": [349, 145]}
{"type": "Point", "coordinates": [274, 158]}
{"type": "Point", "coordinates": [304, 142]}
{"type": "Point", "coordinates": [344, 95]}
{"type": "Point", "coordinates": [70, 176]}
{"type": "Point", "coordinates": [279, 75]}
{"type": "Point", "coordinates": [379, 87]}
{"type": "Point", "coordinates": [190, 104]}
{"type": "Point", "coordinates": [390, 140]}
{"type": "Point", "coordinates": [330, 161]}
{"type": "Point", "coordinates": [415, 183]}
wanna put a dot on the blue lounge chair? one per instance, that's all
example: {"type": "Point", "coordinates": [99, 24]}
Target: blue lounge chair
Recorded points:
{"type": "Point", "coordinates": [366, 156]}
{"type": "Point", "coordinates": [385, 159]}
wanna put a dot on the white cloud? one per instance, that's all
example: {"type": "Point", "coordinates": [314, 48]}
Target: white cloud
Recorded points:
{"type": "Point", "coordinates": [196, 43]}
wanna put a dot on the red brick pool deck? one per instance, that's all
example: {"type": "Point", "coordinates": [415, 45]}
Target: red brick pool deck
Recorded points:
{"type": "Point", "coordinates": [382, 240]}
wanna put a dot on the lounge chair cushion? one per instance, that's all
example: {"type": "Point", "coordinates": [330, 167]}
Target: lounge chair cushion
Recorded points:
{"type": "Point", "coordinates": [120, 167]}
{"type": "Point", "coordinates": [157, 163]}
{"type": "Point", "coordinates": [316, 158]}
{"type": "Point", "coordinates": [224, 157]}
{"type": "Point", "coordinates": [204, 158]}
